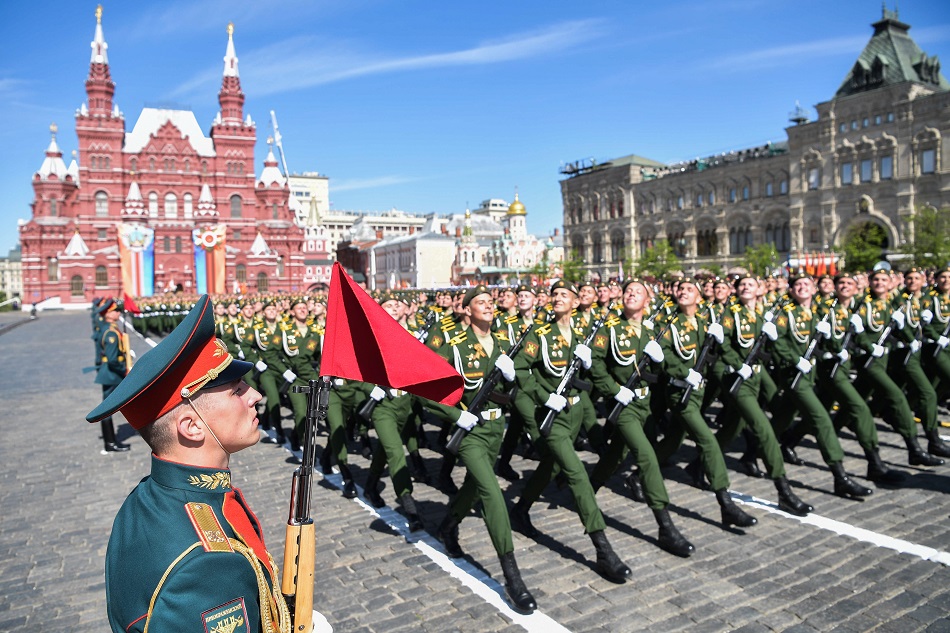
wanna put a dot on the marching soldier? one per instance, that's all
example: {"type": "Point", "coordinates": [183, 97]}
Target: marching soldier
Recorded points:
{"type": "Point", "coordinates": [547, 352]}
{"type": "Point", "coordinates": [113, 366]}
{"type": "Point", "coordinates": [266, 337]}
{"type": "Point", "coordinates": [937, 332]}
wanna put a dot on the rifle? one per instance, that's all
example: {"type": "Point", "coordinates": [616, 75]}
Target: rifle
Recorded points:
{"type": "Point", "coordinates": [366, 411]}
{"type": "Point", "coordinates": [704, 358]}
{"type": "Point", "coordinates": [300, 548]}
{"type": "Point", "coordinates": [845, 344]}
{"type": "Point", "coordinates": [484, 395]}
{"type": "Point", "coordinates": [937, 348]}
{"type": "Point", "coordinates": [569, 372]}
{"type": "Point", "coordinates": [885, 333]}
{"type": "Point", "coordinates": [634, 380]}
{"type": "Point", "coordinates": [812, 345]}
{"type": "Point", "coordinates": [753, 355]}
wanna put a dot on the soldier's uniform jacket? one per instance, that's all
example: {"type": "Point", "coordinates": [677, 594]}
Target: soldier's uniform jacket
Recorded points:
{"type": "Point", "coordinates": [224, 327]}
{"type": "Point", "coordinates": [741, 326]}
{"type": "Point", "coordinates": [543, 360]}
{"type": "Point", "coordinates": [443, 331]}
{"type": "Point", "coordinates": [681, 345]}
{"type": "Point", "coordinates": [470, 359]}
{"type": "Point", "coordinates": [839, 316]}
{"type": "Point", "coordinates": [302, 349]}
{"type": "Point", "coordinates": [875, 314]}
{"type": "Point", "coordinates": [939, 304]}
{"type": "Point", "coordinates": [112, 367]}
{"type": "Point", "coordinates": [205, 567]}
{"type": "Point", "coordinates": [913, 327]}
{"type": "Point", "coordinates": [616, 353]}
{"type": "Point", "coordinates": [241, 332]}
{"type": "Point", "coordinates": [268, 343]}
{"type": "Point", "coordinates": [795, 325]}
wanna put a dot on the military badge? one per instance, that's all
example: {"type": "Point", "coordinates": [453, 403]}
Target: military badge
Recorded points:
{"type": "Point", "coordinates": [230, 617]}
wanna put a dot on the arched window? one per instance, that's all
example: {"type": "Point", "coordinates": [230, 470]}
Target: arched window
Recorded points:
{"type": "Point", "coordinates": [171, 206]}
{"type": "Point", "coordinates": [235, 206]}
{"type": "Point", "coordinates": [102, 276]}
{"type": "Point", "coordinates": [188, 205]}
{"type": "Point", "coordinates": [52, 269]}
{"type": "Point", "coordinates": [240, 273]}
{"type": "Point", "coordinates": [134, 165]}
{"type": "Point", "coordinates": [53, 207]}
{"type": "Point", "coordinates": [153, 204]}
{"type": "Point", "coordinates": [151, 164]}
{"type": "Point", "coordinates": [178, 243]}
{"type": "Point", "coordinates": [167, 243]}
{"type": "Point", "coordinates": [102, 204]}
{"type": "Point", "coordinates": [262, 282]}
{"type": "Point", "coordinates": [75, 286]}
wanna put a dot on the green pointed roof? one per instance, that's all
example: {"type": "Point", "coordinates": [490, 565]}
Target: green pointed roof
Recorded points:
{"type": "Point", "coordinates": [892, 57]}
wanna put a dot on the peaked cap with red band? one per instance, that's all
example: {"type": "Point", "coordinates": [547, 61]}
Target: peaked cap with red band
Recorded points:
{"type": "Point", "coordinates": [187, 360]}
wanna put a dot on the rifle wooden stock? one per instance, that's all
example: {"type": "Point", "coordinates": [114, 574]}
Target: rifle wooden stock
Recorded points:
{"type": "Point", "coordinates": [569, 372]}
{"type": "Point", "coordinates": [754, 354]}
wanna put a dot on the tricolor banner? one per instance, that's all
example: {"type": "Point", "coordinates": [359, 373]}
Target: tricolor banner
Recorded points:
{"type": "Point", "coordinates": [137, 259]}
{"type": "Point", "coordinates": [209, 259]}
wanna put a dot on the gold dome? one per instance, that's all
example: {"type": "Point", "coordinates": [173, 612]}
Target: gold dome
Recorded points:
{"type": "Point", "coordinates": [516, 208]}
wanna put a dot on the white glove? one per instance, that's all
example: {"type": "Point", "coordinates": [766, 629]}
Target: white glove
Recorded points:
{"type": "Point", "coordinates": [914, 346]}
{"type": "Point", "coordinates": [506, 366]}
{"type": "Point", "coordinates": [624, 396]}
{"type": "Point", "coordinates": [877, 351]}
{"type": "Point", "coordinates": [843, 356]}
{"type": "Point", "coordinates": [857, 323]}
{"type": "Point", "coordinates": [694, 378]}
{"type": "Point", "coordinates": [289, 376]}
{"type": "Point", "coordinates": [898, 319]}
{"type": "Point", "coordinates": [241, 354]}
{"type": "Point", "coordinates": [261, 366]}
{"type": "Point", "coordinates": [583, 353]}
{"type": "Point", "coordinates": [926, 316]}
{"type": "Point", "coordinates": [943, 341]}
{"type": "Point", "coordinates": [556, 402]}
{"type": "Point", "coordinates": [648, 324]}
{"type": "Point", "coordinates": [803, 366]}
{"type": "Point", "coordinates": [769, 329]}
{"type": "Point", "coordinates": [467, 421]}
{"type": "Point", "coordinates": [654, 351]}
{"type": "Point", "coordinates": [823, 328]}
{"type": "Point", "coordinates": [377, 393]}
{"type": "Point", "coordinates": [769, 317]}
{"type": "Point", "coordinates": [715, 330]}
{"type": "Point", "coordinates": [745, 371]}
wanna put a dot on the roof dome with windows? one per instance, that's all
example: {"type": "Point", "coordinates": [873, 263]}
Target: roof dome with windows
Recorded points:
{"type": "Point", "coordinates": [516, 207]}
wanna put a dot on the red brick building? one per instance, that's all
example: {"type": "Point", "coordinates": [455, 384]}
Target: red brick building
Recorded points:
{"type": "Point", "coordinates": [166, 190]}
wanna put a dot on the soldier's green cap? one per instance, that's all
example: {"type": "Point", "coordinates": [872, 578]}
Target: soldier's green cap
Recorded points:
{"type": "Point", "coordinates": [184, 362]}
{"type": "Point", "coordinates": [563, 283]}
{"type": "Point", "coordinates": [526, 288]}
{"type": "Point", "coordinates": [587, 283]}
{"type": "Point", "coordinates": [797, 275]}
{"type": "Point", "coordinates": [385, 297]}
{"type": "Point", "coordinates": [108, 305]}
{"type": "Point", "coordinates": [916, 269]}
{"type": "Point", "coordinates": [267, 302]}
{"type": "Point", "coordinates": [633, 280]}
{"type": "Point", "coordinates": [473, 292]}
{"type": "Point", "coordinates": [405, 298]}
{"type": "Point", "coordinates": [843, 275]}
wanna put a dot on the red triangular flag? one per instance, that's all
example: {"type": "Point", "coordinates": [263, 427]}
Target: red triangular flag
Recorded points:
{"type": "Point", "coordinates": [129, 304]}
{"type": "Point", "coordinates": [362, 342]}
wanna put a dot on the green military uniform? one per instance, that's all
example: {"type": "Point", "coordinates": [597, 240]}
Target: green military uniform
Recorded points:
{"type": "Point", "coordinates": [905, 365]}
{"type": "Point", "coordinates": [301, 347]}
{"type": "Point", "coordinates": [266, 340]}
{"type": "Point", "coordinates": [935, 356]}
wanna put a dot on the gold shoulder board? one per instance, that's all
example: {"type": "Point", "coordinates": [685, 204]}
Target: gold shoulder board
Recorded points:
{"type": "Point", "coordinates": [208, 528]}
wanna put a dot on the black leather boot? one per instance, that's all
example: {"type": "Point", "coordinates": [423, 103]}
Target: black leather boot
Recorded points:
{"type": "Point", "coordinates": [731, 513]}
{"type": "Point", "coordinates": [749, 459]}
{"type": "Point", "coordinates": [326, 461]}
{"type": "Point", "coordinates": [670, 538]}
{"type": "Point", "coordinates": [506, 472]}
{"type": "Point", "coordinates": [419, 472]}
{"type": "Point", "coordinates": [633, 484]}
{"type": "Point", "coordinates": [445, 482]}
{"type": "Point", "coordinates": [788, 501]}
{"type": "Point", "coordinates": [916, 455]}
{"type": "Point", "coordinates": [878, 472]}
{"type": "Point", "coordinates": [371, 490]}
{"type": "Point", "coordinates": [790, 440]}
{"type": "Point", "coordinates": [519, 596]}
{"type": "Point", "coordinates": [349, 487]}
{"type": "Point", "coordinates": [412, 515]}
{"type": "Point", "coordinates": [609, 564]}
{"type": "Point", "coordinates": [935, 444]}
{"type": "Point", "coordinates": [111, 444]}
{"type": "Point", "coordinates": [696, 473]}
{"type": "Point", "coordinates": [845, 486]}
{"type": "Point", "coordinates": [521, 519]}
{"type": "Point", "coordinates": [449, 535]}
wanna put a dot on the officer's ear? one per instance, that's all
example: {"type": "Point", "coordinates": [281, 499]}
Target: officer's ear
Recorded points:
{"type": "Point", "coordinates": [189, 426]}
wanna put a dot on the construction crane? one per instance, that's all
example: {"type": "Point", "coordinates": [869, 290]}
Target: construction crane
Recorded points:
{"type": "Point", "coordinates": [280, 146]}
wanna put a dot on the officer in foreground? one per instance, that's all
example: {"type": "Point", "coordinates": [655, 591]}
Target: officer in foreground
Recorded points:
{"type": "Point", "coordinates": [186, 552]}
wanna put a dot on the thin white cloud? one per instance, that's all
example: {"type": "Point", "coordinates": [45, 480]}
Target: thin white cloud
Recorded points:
{"type": "Point", "coordinates": [359, 184]}
{"type": "Point", "coordinates": [304, 62]}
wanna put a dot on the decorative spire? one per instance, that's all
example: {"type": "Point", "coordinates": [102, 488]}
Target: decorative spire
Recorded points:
{"type": "Point", "coordinates": [53, 164]}
{"type": "Point", "coordinates": [99, 85]}
{"type": "Point", "coordinates": [206, 206]}
{"type": "Point", "coordinates": [99, 46]}
{"type": "Point", "coordinates": [230, 58]}
{"type": "Point", "coordinates": [134, 204]}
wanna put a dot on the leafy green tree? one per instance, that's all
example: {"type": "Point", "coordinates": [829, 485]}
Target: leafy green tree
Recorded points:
{"type": "Point", "coordinates": [931, 245]}
{"type": "Point", "coordinates": [658, 260]}
{"type": "Point", "coordinates": [864, 246]}
{"type": "Point", "coordinates": [761, 259]}
{"type": "Point", "coordinates": [574, 267]}
{"type": "Point", "coordinates": [7, 307]}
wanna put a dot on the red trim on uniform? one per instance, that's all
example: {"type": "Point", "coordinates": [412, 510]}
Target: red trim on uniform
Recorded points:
{"type": "Point", "coordinates": [136, 620]}
{"type": "Point", "coordinates": [245, 524]}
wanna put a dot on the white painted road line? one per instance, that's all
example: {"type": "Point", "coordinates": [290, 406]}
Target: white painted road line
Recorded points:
{"type": "Point", "coordinates": [846, 529]}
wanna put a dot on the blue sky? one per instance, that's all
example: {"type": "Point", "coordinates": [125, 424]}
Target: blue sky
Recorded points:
{"type": "Point", "coordinates": [433, 106]}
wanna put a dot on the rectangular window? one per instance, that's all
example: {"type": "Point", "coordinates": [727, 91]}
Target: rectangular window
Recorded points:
{"type": "Point", "coordinates": [732, 194]}
{"type": "Point", "coordinates": [887, 167]}
{"type": "Point", "coordinates": [847, 174]}
{"type": "Point", "coordinates": [699, 199]}
{"type": "Point", "coordinates": [843, 127]}
{"type": "Point", "coordinates": [783, 187]}
{"type": "Point", "coordinates": [865, 122]}
{"type": "Point", "coordinates": [745, 192]}
{"type": "Point", "coordinates": [890, 117]}
{"type": "Point", "coordinates": [712, 197]}
{"type": "Point", "coordinates": [768, 190]}
{"type": "Point", "coordinates": [236, 235]}
{"type": "Point", "coordinates": [102, 235]}
{"type": "Point", "coordinates": [866, 170]}
{"type": "Point", "coordinates": [927, 161]}
{"type": "Point", "coordinates": [813, 180]}
{"type": "Point", "coordinates": [854, 125]}
{"type": "Point", "coordinates": [877, 119]}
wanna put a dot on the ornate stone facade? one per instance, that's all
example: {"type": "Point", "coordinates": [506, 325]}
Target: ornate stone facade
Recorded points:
{"type": "Point", "coordinates": [875, 154]}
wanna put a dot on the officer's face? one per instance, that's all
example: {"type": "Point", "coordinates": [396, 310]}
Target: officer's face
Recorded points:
{"type": "Point", "coordinates": [232, 309]}
{"type": "Point", "coordinates": [846, 288]}
{"type": "Point", "coordinates": [943, 281]}
{"type": "Point", "coordinates": [802, 290]}
{"type": "Point", "coordinates": [232, 413]}
{"type": "Point", "coordinates": [219, 309]}
{"type": "Point", "coordinates": [543, 299]}
{"type": "Point", "coordinates": [687, 294]}
{"type": "Point", "coordinates": [880, 284]}
{"type": "Point", "coordinates": [392, 308]}
{"type": "Point", "coordinates": [301, 312]}
{"type": "Point", "coordinates": [480, 309]}
{"type": "Point", "coordinates": [635, 297]}
{"type": "Point", "coordinates": [247, 311]}
{"type": "Point", "coordinates": [914, 281]}
{"type": "Point", "coordinates": [525, 300]}
{"type": "Point", "coordinates": [112, 316]}
{"type": "Point", "coordinates": [722, 292]}
{"type": "Point", "coordinates": [507, 300]}
{"type": "Point", "coordinates": [563, 301]}
{"type": "Point", "coordinates": [615, 291]}
{"type": "Point", "coordinates": [747, 289]}
{"type": "Point", "coordinates": [709, 290]}
{"type": "Point", "coordinates": [826, 286]}
{"type": "Point", "coordinates": [603, 295]}
{"type": "Point", "coordinates": [587, 295]}
{"type": "Point", "coordinates": [270, 313]}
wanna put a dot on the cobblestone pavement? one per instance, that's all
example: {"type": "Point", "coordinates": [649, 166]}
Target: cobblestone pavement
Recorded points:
{"type": "Point", "coordinates": [58, 496]}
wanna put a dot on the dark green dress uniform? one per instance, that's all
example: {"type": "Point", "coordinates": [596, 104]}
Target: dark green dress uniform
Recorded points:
{"type": "Point", "coordinates": [301, 348]}
{"type": "Point", "coordinates": [936, 356]}
{"type": "Point", "coordinates": [181, 533]}
{"type": "Point", "coordinates": [267, 344]}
